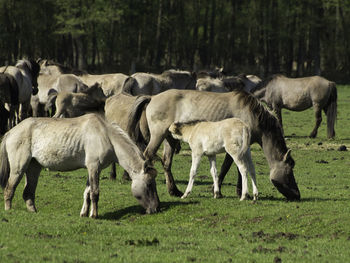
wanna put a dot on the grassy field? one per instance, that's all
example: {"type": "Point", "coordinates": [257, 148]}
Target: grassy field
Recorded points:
{"type": "Point", "coordinates": [199, 228]}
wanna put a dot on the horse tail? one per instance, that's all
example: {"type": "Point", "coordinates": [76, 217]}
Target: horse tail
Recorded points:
{"type": "Point", "coordinates": [331, 110]}
{"type": "Point", "coordinates": [4, 164]}
{"type": "Point", "coordinates": [133, 127]}
{"type": "Point", "coordinates": [129, 84]}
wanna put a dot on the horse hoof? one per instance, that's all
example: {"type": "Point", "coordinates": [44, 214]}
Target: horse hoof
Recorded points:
{"type": "Point", "coordinates": [218, 195]}
{"type": "Point", "coordinates": [176, 192]}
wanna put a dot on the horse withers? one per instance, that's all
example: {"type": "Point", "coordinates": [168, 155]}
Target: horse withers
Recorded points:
{"type": "Point", "coordinates": [210, 138]}
{"type": "Point", "coordinates": [69, 144]}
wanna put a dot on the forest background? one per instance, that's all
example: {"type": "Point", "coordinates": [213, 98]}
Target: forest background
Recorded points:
{"type": "Point", "coordinates": [263, 37]}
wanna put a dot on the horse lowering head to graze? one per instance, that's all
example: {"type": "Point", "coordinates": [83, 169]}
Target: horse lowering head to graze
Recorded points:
{"type": "Point", "coordinates": [210, 138]}
{"type": "Point", "coordinates": [69, 104]}
{"type": "Point", "coordinates": [188, 105]}
{"type": "Point", "coordinates": [117, 110]}
{"type": "Point", "coordinates": [69, 144]}
{"type": "Point", "coordinates": [151, 84]}
{"type": "Point", "coordinates": [298, 94]}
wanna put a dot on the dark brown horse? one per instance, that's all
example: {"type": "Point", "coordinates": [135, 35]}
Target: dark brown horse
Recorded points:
{"type": "Point", "coordinates": [187, 105]}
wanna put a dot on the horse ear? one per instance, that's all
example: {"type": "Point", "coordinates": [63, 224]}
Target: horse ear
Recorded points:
{"type": "Point", "coordinates": [148, 168]}
{"type": "Point", "coordinates": [287, 155]}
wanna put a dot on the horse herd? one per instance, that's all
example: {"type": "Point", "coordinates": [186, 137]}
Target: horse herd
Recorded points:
{"type": "Point", "coordinates": [100, 120]}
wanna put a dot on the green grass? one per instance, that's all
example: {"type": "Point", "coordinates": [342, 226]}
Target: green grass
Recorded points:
{"type": "Point", "coordinates": [199, 228]}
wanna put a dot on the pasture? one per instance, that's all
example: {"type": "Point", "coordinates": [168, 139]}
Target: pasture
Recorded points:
{"type": "Point", "coordinates": [198, 228]}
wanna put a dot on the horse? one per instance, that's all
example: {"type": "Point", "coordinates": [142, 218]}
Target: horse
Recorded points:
{"type": "Point", "coordinates": [69, 104]}
{"type": "Point", "coordinates": [8, 97]}
{"type": "Point", "coordinates": [68, 144]}
{"type": "Point", "coordinates": [111, 84]}
{"type": "Point", "coordinates": [188, 105]}
{"type": "Point", "coordinates": [26, 73]}
{"type": "Point", "coordinates": [298, 94]}
{"type": "Point", "coordinates": [151, 84]}
{"type": "Point", "coordinates": [210, 138]}
{"type": "Point", "coordinates": [4, 115]}
{"type": "Point", "coordinates": [55, 77]}
{"type": "Point", "coordinates": [117, 109]}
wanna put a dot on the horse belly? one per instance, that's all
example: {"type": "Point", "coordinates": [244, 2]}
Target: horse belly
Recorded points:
{"type": "Point", "coordinates": [60, 153]}
{"type": "Point", "coordinates": [299, 103]}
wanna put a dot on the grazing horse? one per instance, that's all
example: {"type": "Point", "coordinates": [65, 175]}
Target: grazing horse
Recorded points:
{"type": "Point", "coordinates": [26, 73]}
{"type": "Point", "coordinates": [69, 144]}
{"type": "Point", "coordinates": [117, 110]}
{"type": "Point", "coordinates": [298, 94]}
{"type": "Point", "coordinates": [210, 138]}
{"type": "Point", "coordinates": [151, 84]}
{"type": "Point", "coordinates": [189, 105]}
{"type": "Point", "coordinates": [8, 96]}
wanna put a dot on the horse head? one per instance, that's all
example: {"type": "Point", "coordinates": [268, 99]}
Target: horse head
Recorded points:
{"type": "Point", "coordinates": [32, 68]}
{"type": "Point", "coordinates": [144, 189]}
{"type": "Point", "coordinates": [282, 177]}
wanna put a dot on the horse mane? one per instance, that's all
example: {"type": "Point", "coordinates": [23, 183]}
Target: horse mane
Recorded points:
{"type": "Point", "coordinates": [267, 120]}
{"type": "Point", "coordinates": [171, 72]}
{"type": "Point", "coordinates": [266, 81]}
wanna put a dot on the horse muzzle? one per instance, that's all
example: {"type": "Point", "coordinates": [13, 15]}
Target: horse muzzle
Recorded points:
{"type": "Point", "coordinates": [290, 191]}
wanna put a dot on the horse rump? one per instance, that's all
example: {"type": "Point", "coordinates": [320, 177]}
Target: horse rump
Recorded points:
{"type": "Point", "coordinates": [4, 164]}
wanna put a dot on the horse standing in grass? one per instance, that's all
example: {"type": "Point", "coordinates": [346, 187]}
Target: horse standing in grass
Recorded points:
{"type": "Point", "coordinates": [8, 96]}
{"type": "Point", "coordinates": [189, 105]}
{"type": "Point", "coordinates": [210, 138]}
{"type": "Point", "coordinates": [25, 73]}
{"type": "Point", "coordinates": [298, 94]}
{"type": "Point", "coordinates": [69, 144]}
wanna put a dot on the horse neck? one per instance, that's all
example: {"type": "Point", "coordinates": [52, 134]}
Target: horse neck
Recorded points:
{"type": "Point", "coordinates": [260, 93]}
{"type": "Point", "coordinates": [126, 152]}
{"type": "Point", "coordinates": [274, 146]}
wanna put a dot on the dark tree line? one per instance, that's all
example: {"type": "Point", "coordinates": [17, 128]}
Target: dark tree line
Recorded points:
{"type": "Point", "coordinates": [298, 38]}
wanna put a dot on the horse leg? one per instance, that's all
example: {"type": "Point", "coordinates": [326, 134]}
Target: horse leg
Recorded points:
{"type": "Point", "coordinates": [214, 174]}
{"type": "Point", "coordinates": [249, 163]}
{"type": "Point", "coordinates": [318, 117]}
{"type": "Point", "coordinates": [167, 158]}
{"type": "Point", "coordinates": [113, 172]}
{"type": "Point", "coordinates": [195, 163]}
{"type": "Point", "coordinates": [94, 173]}
{"type": "Point", "coordinates": [87, 201]}
{"type": "Point", "coordinates": [12, 183]}
{"type": "Point", "coordinates": [24, 107]}
{"type": "Point", "coordinates": [32, 176]}
{"type": "Point", "coordinates": [223, 171]}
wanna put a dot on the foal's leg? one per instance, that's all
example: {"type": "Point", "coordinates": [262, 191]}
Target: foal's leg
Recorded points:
{"type": "Point", "coordinates": [223, 171]}
{"type": "Point", "coordinates": [214, 174]}
{"type": "Point", "coordinates": [32, 176]}
{"type": "Point", "coordinates": [251, 169]}
{"type": "Point", "coordinates": [195, 163]}
{"type": "Point", "coordinates": [318, 117]}
{"type": "Point", "coordinates": [233, 151]}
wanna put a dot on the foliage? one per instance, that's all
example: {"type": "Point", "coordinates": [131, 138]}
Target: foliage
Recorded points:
{"type": "Point", "coordinates": [199, 228]}
{"type": "Point", "coordinates": [261, 37]}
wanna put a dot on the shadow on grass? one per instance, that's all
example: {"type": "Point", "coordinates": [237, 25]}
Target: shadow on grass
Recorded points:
{"type": "Point", "coordinates": [138, 210]}
{"type": "Point", "coordinates": [302, 200]}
